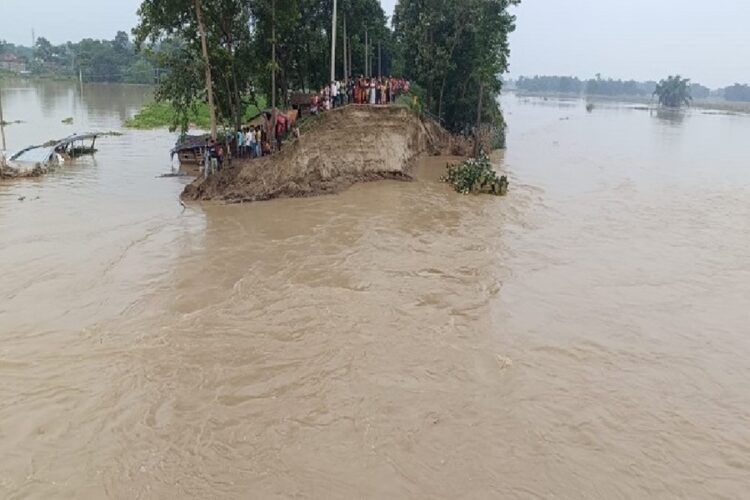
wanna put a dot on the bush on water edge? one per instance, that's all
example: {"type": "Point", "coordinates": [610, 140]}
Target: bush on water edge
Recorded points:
{"type": "Point", "coordinates": [161, 114]}
{"type": "Point", "coordinates": [476, 176]}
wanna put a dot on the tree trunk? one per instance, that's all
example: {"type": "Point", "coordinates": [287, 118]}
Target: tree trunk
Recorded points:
{"type": "Point", "coordinates": [440, 104]}
{"type": "Point", "coordinates": [430, 80]}
{"type": "Point", "coordinates": [477, 145]}
{"type": "Point", "coordinates": [206, 62]}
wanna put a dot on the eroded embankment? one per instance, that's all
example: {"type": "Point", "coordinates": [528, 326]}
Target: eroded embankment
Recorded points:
{"type": "Point", "coordinates": [348, 145]}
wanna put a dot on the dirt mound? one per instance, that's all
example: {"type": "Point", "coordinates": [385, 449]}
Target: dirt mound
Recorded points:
{"type": "Point", "coordinates": [344, 146]}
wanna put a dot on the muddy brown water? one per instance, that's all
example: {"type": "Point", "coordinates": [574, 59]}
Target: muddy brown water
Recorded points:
{"type": "Point", "coordinates": [585, 337]}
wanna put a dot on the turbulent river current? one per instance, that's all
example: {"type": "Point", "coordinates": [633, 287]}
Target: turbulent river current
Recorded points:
{"type": "Point", "coordinates": [586, 336]}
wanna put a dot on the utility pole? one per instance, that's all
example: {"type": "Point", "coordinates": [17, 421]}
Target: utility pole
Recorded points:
{"type": "Point", "coordinates": [2, 120]}
{"type": "Point", "coordinates": [333, 43]}
{"type": "Point", "coordinates": [346, 70]}
{"type": "Point", "coordinates": [273, 73]}
{"type": "Point", "coordinates": [367, 57]}
{"type": "Point", "coordinates": [380, 63]}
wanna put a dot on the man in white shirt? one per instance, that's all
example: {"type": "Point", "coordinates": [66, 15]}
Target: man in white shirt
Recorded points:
{"type": "Point", "coordinates": [250, 141]}
{"type": "Point", "coordinates": [334, 94]}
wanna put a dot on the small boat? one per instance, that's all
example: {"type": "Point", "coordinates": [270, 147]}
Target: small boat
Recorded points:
{"type": "Point", "coordinates": [190, 148]}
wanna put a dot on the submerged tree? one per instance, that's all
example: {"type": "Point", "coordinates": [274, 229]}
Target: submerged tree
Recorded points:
{"type": "Point", "coordinates": [674, 92]}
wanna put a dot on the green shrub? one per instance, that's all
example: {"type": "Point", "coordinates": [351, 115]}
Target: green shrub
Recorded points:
{"type": "Point", "coordinates": [476, 176]}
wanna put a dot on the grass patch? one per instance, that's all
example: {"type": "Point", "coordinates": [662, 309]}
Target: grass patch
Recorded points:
{"type": "Point", "coordinates": [162, 114]}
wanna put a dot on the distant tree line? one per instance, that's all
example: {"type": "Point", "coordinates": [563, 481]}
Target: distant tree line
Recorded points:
{"type": "Point", "coordinates": [96, 60]}
{"type": "Point", "coordinates": [599, 86]}
{"type": "Point", "coordinates": [593, 86]}
{"type": "Point", "coordinates": [737, 92]}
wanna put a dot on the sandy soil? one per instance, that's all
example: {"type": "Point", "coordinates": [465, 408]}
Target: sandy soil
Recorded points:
{"type": "Point", "coordinates": [348, 145]}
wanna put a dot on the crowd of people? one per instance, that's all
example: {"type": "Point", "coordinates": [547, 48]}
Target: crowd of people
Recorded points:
{"type": "Point", "coordinates": [247, 142]}
{"type": "Point", "coordinates": [255, 141]}
{"type": "Point", "coordinates": [360, 90]}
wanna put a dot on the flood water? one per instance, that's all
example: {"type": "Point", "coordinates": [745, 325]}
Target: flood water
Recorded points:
{"type": "Point", "coordinates": [585, 337]}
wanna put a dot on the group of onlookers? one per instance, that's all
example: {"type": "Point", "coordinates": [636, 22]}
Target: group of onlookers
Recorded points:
{"type": "Point", "coordinates": [255, 141]}
{"type": "Point", "coordinates": [252, 142]}
{"type": "Point", "coordinates": [248, 142]}
{"type": "Point", "coordinates": [360, 90]}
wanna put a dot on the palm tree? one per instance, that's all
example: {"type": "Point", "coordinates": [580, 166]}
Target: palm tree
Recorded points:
{"type": "Point", "coordinates": [674, 92]}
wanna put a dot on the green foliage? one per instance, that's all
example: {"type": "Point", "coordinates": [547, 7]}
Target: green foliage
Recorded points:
{"type": "Point", "coordinates": [674, 92]}
{"type": "Point", "coordinates": [476, 176]}
{"type": "Point", "coordinates": [456, 51]}
{"type": "Point", "coordinates": [414, 100]}
{"type": "Point", "coordinates": [239, 38]}
{"type": "Point", "coordinates": [162, 114]}
{"type": "Point", "coordinates": [68, 120]}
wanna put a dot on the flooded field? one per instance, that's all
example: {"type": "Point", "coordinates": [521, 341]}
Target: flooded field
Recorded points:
{"type": "Point", "coordinates": [585, 337]}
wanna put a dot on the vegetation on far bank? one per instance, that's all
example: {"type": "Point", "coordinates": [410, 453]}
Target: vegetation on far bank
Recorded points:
{"type": "Point", "coordinates": [621, 89]}
{"type": "Point", "coordinates": [163, 114]}
{"type": "Point", "coordinates": [92, 60]}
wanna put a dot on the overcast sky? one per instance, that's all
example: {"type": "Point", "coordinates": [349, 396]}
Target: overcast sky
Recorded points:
{"type": "Point", "coordinates": [640, 39]}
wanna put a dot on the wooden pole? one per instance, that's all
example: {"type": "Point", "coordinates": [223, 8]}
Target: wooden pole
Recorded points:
{"type": "Point", "coordinates": [367, 47]}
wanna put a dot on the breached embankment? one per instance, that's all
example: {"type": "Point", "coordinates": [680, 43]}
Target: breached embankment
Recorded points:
{"type": "Point", "coordinates": [343, 147]}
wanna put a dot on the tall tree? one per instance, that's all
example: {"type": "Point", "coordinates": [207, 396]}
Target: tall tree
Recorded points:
{"type": "Point", "coordinates": [220, 38]}
{"type": "Point", "coordinates": [207, 64]}
{"type": "Point", "coordinates": [456, 52]}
